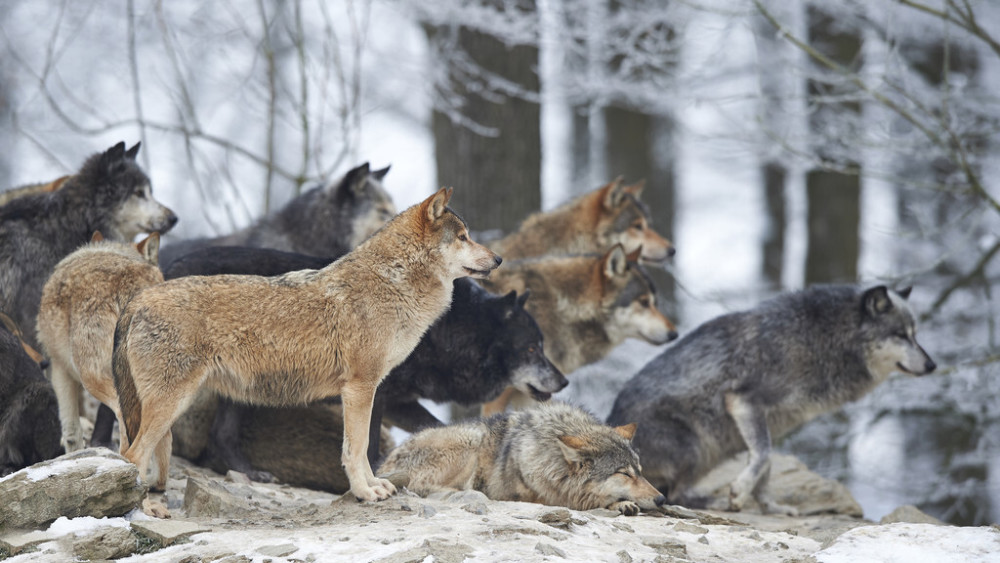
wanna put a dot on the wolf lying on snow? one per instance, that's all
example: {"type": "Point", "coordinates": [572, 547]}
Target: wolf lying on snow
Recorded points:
{"type": "Point", "coordinates": [295, 338]}
{"type": "Point", "coordinates": [741, 379]}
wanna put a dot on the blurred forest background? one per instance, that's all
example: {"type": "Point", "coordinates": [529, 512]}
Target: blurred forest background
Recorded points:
{"type": "Point", "coordinates": [784, 143]}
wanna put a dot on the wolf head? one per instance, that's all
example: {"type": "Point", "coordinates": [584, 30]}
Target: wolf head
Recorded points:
{"type": "Point", "coordinates": [361, 202]}
{"type": "Point", "coordinates": [889, 330]}
{"type": "Point", "coordinates": [605, 469]}
{"type": "Point", "coordinates": [624, 220]}
{"type": "Point", "coordinates": [447, 236]}
{"type": "Point", "coordinates": [113, 183]}
{"type": "Point", "coordinates": [629, 298]}
{"type": "Point", "coordinates": [520, 350]}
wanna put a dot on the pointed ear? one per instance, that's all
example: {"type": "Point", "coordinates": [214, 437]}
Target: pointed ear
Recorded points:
{"type": "Point", "coordinates": [115, 153]}
{"type": "Point", "coordinates": [571, 447]}
{"type": "Point", "coordinates": [905, 292]}
{"type": "Point", "coordinates": [149, 248]}
{"type": "Point", "coordinates": [523, 298]}
{"type": "Point", "coordinates": [612, 194]}
{"type": "Point", "coordinates": [353, 181]}
{"type": "Point", "coordinates": [634, 255]}
{"type": "Point", "coordinates": [96, 237]}
{"type": "Point", "coordinates": [615, 262]}
{"type": "Point", "coordinates": [636, 188]}
{"type": "Point", "coordinates": [876, 301]}
{"type": "Point", "coordinates": [435, 205]}
{"type": "Point", "coordinates": [626, 431]}
{"type": "Point", "coordinates": [132, 152]}
{"type": "Point", "coordinates": [379, 174]}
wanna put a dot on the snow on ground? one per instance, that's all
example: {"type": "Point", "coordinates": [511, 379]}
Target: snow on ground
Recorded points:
{"type": "Point", "coordinates": [914, 543]}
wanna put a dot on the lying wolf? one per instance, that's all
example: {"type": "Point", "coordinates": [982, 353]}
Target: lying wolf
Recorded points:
{"type": "Point", "coordinates": [590, 223]}
{"type": "Point", "coordinates": [80, 305]}
{"type": "Point", "coordinates": [742, 379]}
{"type": "Point", "coordinates": [293, 339]}
{"type": "Point", "coordinates": [555, 454]}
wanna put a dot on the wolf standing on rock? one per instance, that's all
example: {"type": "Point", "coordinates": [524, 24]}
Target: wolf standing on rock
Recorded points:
{"type": "Point", "coordinates": [295, 338]}
{"type": "Point", "coordinates": [740, 379]}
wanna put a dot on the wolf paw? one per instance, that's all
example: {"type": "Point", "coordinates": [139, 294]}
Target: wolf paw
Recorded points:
{"type": "Point", "coordinates": [626, 507]}
{"type": "Point", "coordinates": [769, 506]}
{"type": "Point", "coordinates": [155, 508]}
{"type": "Point", "coordinates": [376, 489]}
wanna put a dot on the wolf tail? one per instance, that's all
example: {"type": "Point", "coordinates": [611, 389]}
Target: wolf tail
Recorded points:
{"type": "Point", "coordinates": [128, 397]}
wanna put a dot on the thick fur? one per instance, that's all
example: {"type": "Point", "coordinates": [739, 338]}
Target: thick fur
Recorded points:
{"type": "Point", "coordinates": [743, 379]}
{"type": "Point", "coordinates": [483, 344]}
{"type": "Point", "coordinates": [326, 220]}
{"type": "Point", "coordinates": [31, 189]}
{"type": "Point", "coordinates": [110, 194]}
{"type": "Point", "coordinates": [296, 338]}
{"type": "Point", "coordinates": [81, 303]}
{"type": "Point", "coordinates": [555, 454]}
{"type": "Point", "coordinates": [29, 416]}
{"type": "Point", "coordinates": [585, 306]}
{"type": "Point", "coordinates": [590, 223]}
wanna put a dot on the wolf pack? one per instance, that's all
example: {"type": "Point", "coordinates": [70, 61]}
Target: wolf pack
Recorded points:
{"type": "Point", "coordinates": [271, 349]}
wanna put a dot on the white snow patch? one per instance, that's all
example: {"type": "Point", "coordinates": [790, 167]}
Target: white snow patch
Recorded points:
{"type": "Point", "coordinates": [61, 466]}
{"type": "Point", "coordinates": [77, 526]}
{"type": "Point", "coordinates": [914, 543]}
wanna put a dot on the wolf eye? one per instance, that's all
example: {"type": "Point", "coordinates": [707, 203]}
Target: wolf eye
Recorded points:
{"type": "Point", "coordinates": [623, 472]}
{"type": "Point", "coordinates": [637, 226]}
{"type": "Point", "coordinates": [644, 301]}
{"type": "Point", "coordinates": [531, 349]}
{"type": "Point", "coordinates": [463, 238]}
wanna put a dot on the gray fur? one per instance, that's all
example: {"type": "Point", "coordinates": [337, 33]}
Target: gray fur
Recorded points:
{"type": "Point", "coordinates": [741, 379]}
{"type": "Point", "coordinates": [327, 220]}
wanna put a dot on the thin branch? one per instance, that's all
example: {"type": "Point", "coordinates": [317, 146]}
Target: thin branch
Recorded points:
{"type": "Point", "coordinates": [978, 270]}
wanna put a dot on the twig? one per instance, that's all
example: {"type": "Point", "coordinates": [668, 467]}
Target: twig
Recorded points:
{"type": "Point", "coordinates": [977, 270]}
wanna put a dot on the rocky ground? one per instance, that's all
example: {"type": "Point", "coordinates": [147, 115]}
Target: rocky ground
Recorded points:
{"type": "Point", "coordinates": [91, 496]}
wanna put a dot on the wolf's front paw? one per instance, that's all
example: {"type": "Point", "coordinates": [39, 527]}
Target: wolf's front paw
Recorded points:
{"type": "Point", "coordinates": [738, 497]}
{"type": "Point", "coordinates": [72, 442]}
{"type": "Point", "coordinates": [626, 507]}
{"type": "Point", "coordinates": [376, 489]}
{"type": "Point", "coordinates": [155, 508]}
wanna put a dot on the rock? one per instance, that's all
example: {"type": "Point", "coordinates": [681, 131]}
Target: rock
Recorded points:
{"type": "Point", "coordinates": [426, 511]}
{"type": "Point", "coordinates": [92, 482]}
{"type": "Point", "coordinates": [559, 518]}
{"type": "Point", "coordinates": [624, 557]}
{"type": "Point", "coordinates": [18, 541]}
{"type": "Point", "coordinates": [549, 550]}
{"type": "Point", "coordinates": [432, 549]}
{"type": "Point", "coordinates": [112, 542]}
{"type": "Point", "coordinates": [690, 528]}
{"type": "Point", "coordinates": [792, 483]}
{"type": "Point", "coordinates": [911, 514]}
{"type": "Point", "coordinates": [478, 508]}
{"type": "Point", "coordinates": [212, 499]}
{"type": "Point", "coordinates": [282, 550]}
{"type": "Point", "coordinates": [233, 476]}
{"type": "Point", "coordinates": [663, 547]}
{"type": "Point", "coordinates": [166, 532]}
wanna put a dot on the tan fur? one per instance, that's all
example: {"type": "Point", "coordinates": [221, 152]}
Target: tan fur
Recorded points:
{"type": "Point", "coordinates": [593, 222]}
{"type": "Point", "coordinates": [40, 188]}
{"type": "Point", "coordinates": [16, 331]}
{"type": "Point", "coordinates": [573, 300]}
{"type": "Point", "coordinates": [80, 305]}
{"type": "Point", "coordinates": [296, 338]}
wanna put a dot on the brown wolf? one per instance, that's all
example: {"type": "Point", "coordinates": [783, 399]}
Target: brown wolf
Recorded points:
{"type": "Point", "coordinates": [585, 306]}
{"type": "Point", "coordinates": [80, 305]}
{"type": "Point", "coordinates": [295, 338]}
{"type": "Point", "coordinates": [592, 222]}
{"type": "Point", "coordinates": [555, 454]}
{"type": "Point", "coordinates": [30, 189]}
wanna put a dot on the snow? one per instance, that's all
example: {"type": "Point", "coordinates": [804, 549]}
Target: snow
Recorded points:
{"type": "Point", "coordinates": [38, 473]}
{"type": "Point", "coordinates": [84, 524]}
{"type": "Point", "coordinates": [914, 543]}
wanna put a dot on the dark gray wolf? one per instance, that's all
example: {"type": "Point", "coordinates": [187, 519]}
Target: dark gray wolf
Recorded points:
{"type": "Point", "coordinates": [585, 306]}
{"type": "Point", "coordinates": [110, 194]}
{"type": "Point", "coordinates": [326, 220]}
{"type": "Point", "coordinates": [29, 416]}
{"type": "Point", "coordinates": [554, 454]}
{"type": "Point", "coordinates": [293, 339]}
{"type": "Point", "coordinates": [742, 379]}
{"type": "Point", "coordinates": [483, 344]}
{"type": "Point", "coordinates": [590, 223]}
{"type": "Point", "coordinates": [81, 302]}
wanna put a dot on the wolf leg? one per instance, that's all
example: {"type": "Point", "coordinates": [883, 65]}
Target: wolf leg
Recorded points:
{"type": "Point", "coordinates": [357, 398]}
{"type": "Point", "coordinates": [767, 504]}
{"type": "Point", "coordinates": [162, 455]}
{"type": "Point", "coordinates": [375, 429]}
{"type": "Point", "coordinates": [752, 424]}
{"type": "Point", "coordinates": [104, 426]}
{"type": "Point", "coordinates": [68, 393]}
{"type": "Point", "coordinates": [224, 441]}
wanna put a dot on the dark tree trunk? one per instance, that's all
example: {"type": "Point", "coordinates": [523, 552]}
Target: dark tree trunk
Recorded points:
{"type": "Point", "coordinates": [774, 176]}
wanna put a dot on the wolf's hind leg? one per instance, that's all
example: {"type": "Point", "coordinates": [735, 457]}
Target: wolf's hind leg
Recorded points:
{"type": "Point", "coordinates": [767, 504]}
{"type": "Point", "coordinates": [752, 424]}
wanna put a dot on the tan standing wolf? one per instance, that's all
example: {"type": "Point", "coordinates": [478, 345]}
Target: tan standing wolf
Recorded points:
{"type": "Point", "coordinates": [592, 222]}
{"type": "Point", "coordinates": [585, 306]}
{"type": "Point", "coordinates": [555, 454]}
{"type": "Point", "coordinates": [80, 305]}
{"type": "Point", "coordinates": [295, 338]}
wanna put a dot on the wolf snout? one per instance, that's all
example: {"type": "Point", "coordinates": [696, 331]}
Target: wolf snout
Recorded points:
{"type": "Point", "coordinates": [929, 366]}
{"type": "Point", "coordinates": [660, 500]}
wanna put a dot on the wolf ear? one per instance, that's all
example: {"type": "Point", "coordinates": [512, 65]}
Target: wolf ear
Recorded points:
{"type": "Point", "coordinates": [876, 301]}
{"type": "Point", "coordinates": [523, 297]}
{"type": "Point", "coordinates": [634, 255]}
{"type": "Point", "coordinates": [572, 447]}
{"type": "Point", "coordinates": [354, 180]}
{"type": "Point", "coordinates": [626, 431]}
{"type": "Point", "coordinates": [636, 188]}
{"type": "Point", "coordinates": [905, 292]}
{"type": "Point", "coordinates": [615, 262]}
{"type": "Point", "coordinates": [613, 193]}
{"type": "Point", "coordinates": [96, 237]}
{"type": "Point", "coordinates": [435, 205]}
{"type": "Point", "coordinates": [379, 174]}
{"type": "Point", "coordinates": [114, 154]}
{"type": "Point", "coordinates": [132, 152]}
{"type": "Point", "coordinates": [149, 248]}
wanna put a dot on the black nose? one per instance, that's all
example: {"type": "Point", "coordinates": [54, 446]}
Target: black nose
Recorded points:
{"type": "Point", "coordinates": [171, 221]}
{"type": "Point", "coordinates": [672, 335]}
{"type": "Point", "coordinates": [44, 364]}
{"type": "Point", "coordinates": [672, 251]}
{"type": "Point", "coordinates": [929, 365]}
{"type": "Point", "coordinates": [660, 500]}
{"type": "Point", "coordinates": [497, 260]}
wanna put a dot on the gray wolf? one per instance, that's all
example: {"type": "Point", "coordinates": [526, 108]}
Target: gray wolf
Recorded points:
{"type": "Point", "coordinates": [30, 189]}
{"type": "Point", "coordinates": [585, 306]}
{"type": "Point", "coordinates": [293, 339]}
{"type": "Point", "coordinates": [29, 418]}
{"type": "Point", "coordinates": [81, 302]}
{"type": "Point", "coordinates": [482, 345]}
{"type": "Point", "coordinates": [110, 194]}
{"type": "Point", "coordinates": [743, 379]}
{"type": "Point", "coordinates": [555, 454]}
{"type": "Point", "coordinates": [590, 223]}
{"type": "Point", "coordinates": [327, 220]}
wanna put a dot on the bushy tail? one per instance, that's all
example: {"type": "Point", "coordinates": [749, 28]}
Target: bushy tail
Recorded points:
{"type": "Point", "coordinates": [128, 397]}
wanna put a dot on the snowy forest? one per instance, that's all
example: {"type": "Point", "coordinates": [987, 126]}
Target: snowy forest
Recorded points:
{"type": "Point", "coordinates": [783, 143]}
